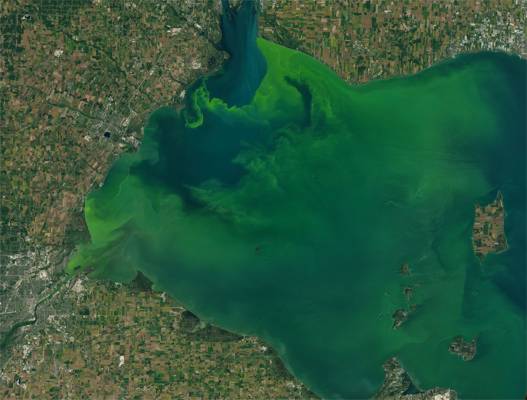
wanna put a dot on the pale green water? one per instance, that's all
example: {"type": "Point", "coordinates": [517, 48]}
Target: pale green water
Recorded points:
{"type": "Point", "coordinates": [289, 215]}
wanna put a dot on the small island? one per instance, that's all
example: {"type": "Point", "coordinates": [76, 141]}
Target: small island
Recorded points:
{"type": "Point", "coordinates": [399, 317]}
{"type": "Point", "coordinates": [462, 348]}
{"type": "Point", "coordinates": [405, 269]}
{"type": "Point", "coordinates": [488, 231]}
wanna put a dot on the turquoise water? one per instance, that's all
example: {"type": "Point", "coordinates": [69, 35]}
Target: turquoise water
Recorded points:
{"type": "Point", "coordinates": [282, 202]}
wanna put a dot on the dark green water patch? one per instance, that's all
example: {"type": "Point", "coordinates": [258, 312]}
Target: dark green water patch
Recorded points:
{"type": "Point", "coordinates": [288, 212]}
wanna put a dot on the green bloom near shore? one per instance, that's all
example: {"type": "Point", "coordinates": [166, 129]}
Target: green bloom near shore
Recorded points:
{"type": "Point", "coordinates": [289, 217]}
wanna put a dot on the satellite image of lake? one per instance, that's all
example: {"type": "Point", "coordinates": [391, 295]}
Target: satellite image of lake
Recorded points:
{"type": "Point", "coordinates": [334, 221]}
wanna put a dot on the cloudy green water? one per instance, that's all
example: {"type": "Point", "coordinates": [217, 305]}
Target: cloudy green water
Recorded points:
{"type": "Point", "coordinates": [282, 203]}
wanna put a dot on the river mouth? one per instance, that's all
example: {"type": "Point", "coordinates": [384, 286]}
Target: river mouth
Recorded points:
{"type": "Point", "coordinates": [283, 203]}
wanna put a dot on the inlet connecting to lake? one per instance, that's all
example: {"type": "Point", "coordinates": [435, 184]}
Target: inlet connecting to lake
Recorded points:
{"type": "Point", "coordinates": [334, 221]}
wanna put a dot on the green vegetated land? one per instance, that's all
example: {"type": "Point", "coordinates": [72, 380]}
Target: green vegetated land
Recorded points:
{"type": "Point", "coordinates": [282, 203]}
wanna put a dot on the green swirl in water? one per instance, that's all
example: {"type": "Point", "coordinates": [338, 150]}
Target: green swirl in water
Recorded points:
{"type": "Point", "coordinates": [289, 215]}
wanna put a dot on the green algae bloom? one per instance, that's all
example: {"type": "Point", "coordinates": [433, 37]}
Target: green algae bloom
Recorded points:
{"type": "Point", "coordinates": [286, 210]}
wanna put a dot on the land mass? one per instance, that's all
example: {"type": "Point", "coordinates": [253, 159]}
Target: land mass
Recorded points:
{"type": "Point", "coordinates": [488, 232]}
